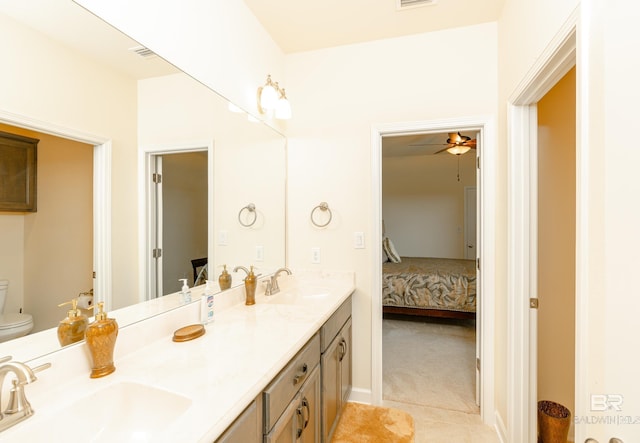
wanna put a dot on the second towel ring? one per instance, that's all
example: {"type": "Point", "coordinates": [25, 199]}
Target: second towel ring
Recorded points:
{"type": "Point", "coordinates": [324, 207]}
{"type": "Point", "coordinates": [252, 210]}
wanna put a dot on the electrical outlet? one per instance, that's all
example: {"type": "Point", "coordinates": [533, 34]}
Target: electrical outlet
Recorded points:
{"type": "Point", "coordinates": [259, 253]}
{"type": "Point", "coordinates": [358, 240]}
{"type": "Point", "coordinates": [223, 238]}
{"type": "Point", "coordinates": [315, 255]}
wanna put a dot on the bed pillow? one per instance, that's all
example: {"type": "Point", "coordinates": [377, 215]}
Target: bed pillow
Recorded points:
{"type": "Point", "coordinates": [390, 250]}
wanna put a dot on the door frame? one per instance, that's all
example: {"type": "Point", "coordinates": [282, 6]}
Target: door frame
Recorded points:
{"type": "Point", "coordinates": [102, 255]}
{"type": "Point", "coordinates": [522, 154]}
{"type": "Point", "coordinates": [467, 219]}
{"type": "Point", "coordinates": [486, 252]}
{"type": "Point", "coordinates": [146, 207]}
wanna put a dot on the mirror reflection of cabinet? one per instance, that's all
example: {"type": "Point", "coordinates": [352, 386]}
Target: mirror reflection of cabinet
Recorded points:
{"type": "Point", "coordinates": [336, 367]}
{"type": "Point", "coordinates": [18, 158]}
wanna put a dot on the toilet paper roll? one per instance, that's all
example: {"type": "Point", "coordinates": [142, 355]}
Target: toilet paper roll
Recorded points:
{"type": "Point", "coordinates": [85, 301]}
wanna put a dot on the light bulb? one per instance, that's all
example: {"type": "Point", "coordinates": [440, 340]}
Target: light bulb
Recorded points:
{"type": "Point", "coordinates": [283, 109]}
{"type": "Point", "coordinates": [268, 98]}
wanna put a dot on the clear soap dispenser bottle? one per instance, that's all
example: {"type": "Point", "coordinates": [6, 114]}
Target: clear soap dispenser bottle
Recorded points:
{"type": "Point", "coordinates": [206, 304]}
{"type": "Point", "coordinates": [72, 328]}
{"type": "Point", "coordinates": [186, 293]}
{"type": "Point", "coordinates": [101, 339]}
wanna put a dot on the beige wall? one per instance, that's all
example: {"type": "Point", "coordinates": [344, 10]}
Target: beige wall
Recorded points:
{"type": "Point", "coordinates": [48, 83]}
{"type": "Point", "coordinates": [330, 141]}
{"type": "Point", "coordinates": [556, 242]}
{"type": "Point", "coordinates": [423, 203]}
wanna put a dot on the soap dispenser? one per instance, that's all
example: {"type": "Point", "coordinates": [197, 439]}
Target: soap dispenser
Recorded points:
{"type": "Point", "coordinates": [72, 328]}
{"type": "Point", "coordinates": [186, 293]}
{"type": "Point", "coordinates": [250, 283]}
{"type": "Point", "coordinates": [224, 280]}
{"type": "Point", "coordinates": [206, 304]}
{"type": "Point", "coordinates": [101, 338]}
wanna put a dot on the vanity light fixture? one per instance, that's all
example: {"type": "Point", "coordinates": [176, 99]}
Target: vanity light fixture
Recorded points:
{"type": "Point", "coordinates": [271, 97]}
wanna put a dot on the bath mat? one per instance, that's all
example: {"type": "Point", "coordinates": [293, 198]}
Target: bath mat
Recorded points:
{"type": "Point", "coordinates": [360, 423]}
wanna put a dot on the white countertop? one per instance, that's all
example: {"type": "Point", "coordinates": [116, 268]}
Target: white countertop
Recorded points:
{"type": "Point", "coordinates": [221, 372]}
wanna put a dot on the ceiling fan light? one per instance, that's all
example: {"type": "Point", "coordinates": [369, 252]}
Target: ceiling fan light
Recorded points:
{"type": "Point", "coordinates": [458, 149]}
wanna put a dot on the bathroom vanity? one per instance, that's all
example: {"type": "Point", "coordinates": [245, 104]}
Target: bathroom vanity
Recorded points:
{"type": "Point", "coordinates": [276, 371]}
{"type": "Point", "coordinates": [303, 403]}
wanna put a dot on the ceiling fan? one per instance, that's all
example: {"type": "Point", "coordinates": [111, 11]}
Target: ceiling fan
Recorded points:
{"type": "Point", "coordinates": [457, 144]}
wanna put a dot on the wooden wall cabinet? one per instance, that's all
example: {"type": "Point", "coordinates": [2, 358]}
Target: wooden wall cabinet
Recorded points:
{"type": "Point", "coordinates": [18, 173]}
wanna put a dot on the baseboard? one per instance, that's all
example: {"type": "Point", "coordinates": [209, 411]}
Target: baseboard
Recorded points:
{"type": "Point", "coordinates": [360, 395]}
{"type": "Point", "coordinates": [501, 430]}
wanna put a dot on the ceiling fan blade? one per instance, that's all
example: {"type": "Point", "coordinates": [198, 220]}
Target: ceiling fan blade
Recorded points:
{"type": "Point", "coordinates": [470, 143]}
{"type": "Point", "coordinates": [427, 144]}
{"type": "Point", "coordinates": [441, 150]}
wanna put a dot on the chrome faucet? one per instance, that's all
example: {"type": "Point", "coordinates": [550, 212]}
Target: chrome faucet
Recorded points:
{"type": "Point", "coordinates": [272, 284]}
{"type": "Point", "coordinates": [18, 407]}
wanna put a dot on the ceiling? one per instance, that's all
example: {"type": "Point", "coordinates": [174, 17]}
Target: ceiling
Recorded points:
{"type": "Point", "coordinates": [298, 25]}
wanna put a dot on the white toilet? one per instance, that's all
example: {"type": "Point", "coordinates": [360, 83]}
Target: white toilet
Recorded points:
{"type": "Point", "coordinates": [12, 325]}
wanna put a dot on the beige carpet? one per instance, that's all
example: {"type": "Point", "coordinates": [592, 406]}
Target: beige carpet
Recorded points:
{"type": "Point", "coordinates": [361, 423]}
{"type": "Point", "coordinates": [430, 363]}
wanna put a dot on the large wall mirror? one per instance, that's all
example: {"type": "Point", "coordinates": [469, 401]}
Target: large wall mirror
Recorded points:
{"type": "Point", "coordinates": [100, 105]}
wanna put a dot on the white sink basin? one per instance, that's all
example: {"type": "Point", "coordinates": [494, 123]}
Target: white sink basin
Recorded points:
{"type": "Point", "coordinates": [122, 412]}
{"type": "Point", "coordinates": [298, 295]}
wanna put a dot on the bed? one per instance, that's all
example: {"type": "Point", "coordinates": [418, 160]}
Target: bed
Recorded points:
{"type": "Point", "coordinates": [426, 286]}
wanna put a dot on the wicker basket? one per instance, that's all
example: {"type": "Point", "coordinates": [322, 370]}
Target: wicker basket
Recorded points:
{"type": "Point", "coordinates": [553, 422]}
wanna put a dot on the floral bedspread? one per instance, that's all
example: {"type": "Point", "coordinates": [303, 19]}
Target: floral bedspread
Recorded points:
{"type": "Point", "coordinates": [430, 283]}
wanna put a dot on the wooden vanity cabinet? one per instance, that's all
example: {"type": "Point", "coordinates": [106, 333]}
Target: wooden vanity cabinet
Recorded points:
{"type": "Point", "coordinates": [247, 427]}
{"type": "Point", "coordinates": [292, 400]}
{"type": "Point", "coordinates": [336, 364]}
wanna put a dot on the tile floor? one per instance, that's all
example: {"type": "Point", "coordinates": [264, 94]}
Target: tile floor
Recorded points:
{"type": "Point", "coordinates": [428, 371]}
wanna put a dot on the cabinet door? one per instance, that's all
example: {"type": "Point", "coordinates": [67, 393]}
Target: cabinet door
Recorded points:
{"type": "Point", "coordinates": [331, 387]}
{"type": "Point", "coordinates": [310, 407]}
{"type": "Point", "coordinates": [247, 428]}
{"type": "Point", "coordinates": [288, 426]}
{"type": "Point", "coordinates": [345, 363]}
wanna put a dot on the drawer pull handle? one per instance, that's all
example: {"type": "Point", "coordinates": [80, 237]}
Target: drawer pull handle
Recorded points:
{"type": "Point", "coordinates": [300, 375]}
{"type": "Point", "coordinates": [299, 415]}
{"type": "Point", "coordinates": [305, 405]}
{"type": "Point", "coordinates": [343, 349]}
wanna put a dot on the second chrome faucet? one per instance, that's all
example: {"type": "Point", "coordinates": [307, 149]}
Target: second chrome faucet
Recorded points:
{"type": "Point", "coordinates": [272, 285]}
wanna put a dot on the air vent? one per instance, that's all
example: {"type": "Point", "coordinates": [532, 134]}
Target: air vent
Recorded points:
{"type": "Point", "coordinates": [406, 4]}
{"type": "Point", "coordinates": [143, 52]}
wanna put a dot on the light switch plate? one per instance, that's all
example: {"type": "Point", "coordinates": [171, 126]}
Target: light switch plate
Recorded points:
{"type": "Point", "coordinates": [223, 238]}
{"type": "Point", "coordinates": [259, 253]}
{"type": "Point", "coordinates": [358, 240]}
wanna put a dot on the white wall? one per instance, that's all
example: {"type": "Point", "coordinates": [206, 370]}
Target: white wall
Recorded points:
{"type": "Point", "coordinates": [423, 203]}
{"type": "Point", "coordinates": [340, 93]}
{"type": "Point", "coordinates": [48, 83]}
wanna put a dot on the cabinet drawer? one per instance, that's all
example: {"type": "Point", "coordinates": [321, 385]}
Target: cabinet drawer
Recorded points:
{"type": "Point", "coordinates": [285, 386]}
{"type": "Point", "coordinates": [332, 326]}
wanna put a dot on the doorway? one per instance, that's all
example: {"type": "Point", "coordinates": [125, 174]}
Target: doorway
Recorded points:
{"type": "Point", "coordinates": [522, 266]}
{"type": "Point", "coordinates": [486, 238]}
{"type": "Point", "coordinates": [429, 287]}
{"type": "Point", "coordinates": [177, 185]}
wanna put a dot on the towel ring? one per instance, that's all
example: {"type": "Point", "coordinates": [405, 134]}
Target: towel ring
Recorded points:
{"type": "Point", "coordinates": [323, 207]}
{"type": "Point", "coordinates": [252, 210]}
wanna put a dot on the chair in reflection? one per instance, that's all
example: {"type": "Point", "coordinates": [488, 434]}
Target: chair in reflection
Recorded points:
{"type": "Point", "coordinates": [199, 271]}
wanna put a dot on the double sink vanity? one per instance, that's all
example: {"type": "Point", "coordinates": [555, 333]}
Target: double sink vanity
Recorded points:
{"type": "Point", "coordinates": [277, 371]}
